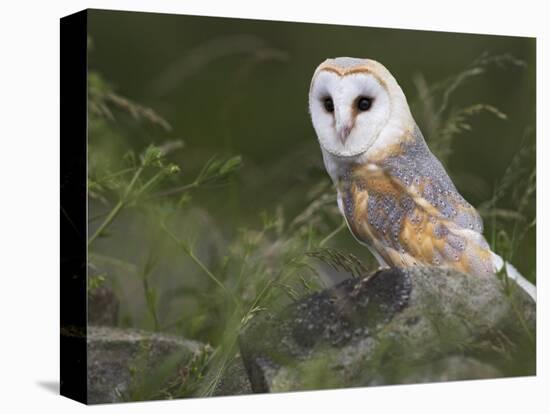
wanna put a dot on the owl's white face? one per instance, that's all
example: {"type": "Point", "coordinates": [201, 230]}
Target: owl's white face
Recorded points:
{"type": "Point", "coordinates": [351, 101]}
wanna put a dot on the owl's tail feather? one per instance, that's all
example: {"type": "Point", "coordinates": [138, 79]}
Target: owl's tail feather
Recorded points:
{"type": "Point", "coordinates": [512, 273]}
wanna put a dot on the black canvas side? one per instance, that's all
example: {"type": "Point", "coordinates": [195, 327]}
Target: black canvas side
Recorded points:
{"type": "Point", "coordinates": [73, 122]}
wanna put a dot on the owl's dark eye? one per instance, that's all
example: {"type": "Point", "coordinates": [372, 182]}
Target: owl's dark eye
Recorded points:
{"type": "Point", "coordinates": [364, 103]}
{"type": "Point", "coordinates": [328, 104]}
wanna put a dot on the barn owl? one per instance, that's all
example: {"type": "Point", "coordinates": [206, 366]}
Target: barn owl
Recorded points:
{"type": "Point", "coordinates": [394, 194]}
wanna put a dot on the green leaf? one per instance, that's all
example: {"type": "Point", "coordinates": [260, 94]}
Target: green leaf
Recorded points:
{"type": "Point", "coordinates": [152, 156]}
{"type": "Point", "coordinates": [232, 164]}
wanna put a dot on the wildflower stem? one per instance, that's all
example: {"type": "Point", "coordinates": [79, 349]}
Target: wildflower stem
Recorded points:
{"type": "Point", "coordinates": [334, 233]}
{"type": "Point", "coordinates": [185, 247]}
{"type": "Point", "coordinates": [118, 207]}
{"type": "Point", "coordinates": [181, 189]}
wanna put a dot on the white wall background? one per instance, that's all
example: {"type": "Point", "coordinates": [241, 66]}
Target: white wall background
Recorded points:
{"type": "Point", "coordinates": [29, 203]}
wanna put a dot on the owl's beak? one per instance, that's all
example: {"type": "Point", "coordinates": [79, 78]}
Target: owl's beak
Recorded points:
{"type": "Point", "coordinates": [343, 133]}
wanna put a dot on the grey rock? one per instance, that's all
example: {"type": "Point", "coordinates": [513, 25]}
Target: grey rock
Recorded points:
{"type": "Point", "coordinates": [394, 327]}
{"type": "Point", "coordinates": [234, 380]}
{"type": "Point", "coordinates": [103, 306]}
{"type": "Point", "coordinates": [128, 364]}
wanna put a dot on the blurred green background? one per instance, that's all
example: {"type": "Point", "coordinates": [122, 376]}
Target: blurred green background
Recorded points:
{"type": "Point", "coordinates": [239, 87]}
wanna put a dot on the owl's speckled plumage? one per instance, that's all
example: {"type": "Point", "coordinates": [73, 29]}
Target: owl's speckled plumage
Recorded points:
{"type": "Point", "coordinates": [406, 207]}
{"type": "Point", "coordinates": [393, 192]}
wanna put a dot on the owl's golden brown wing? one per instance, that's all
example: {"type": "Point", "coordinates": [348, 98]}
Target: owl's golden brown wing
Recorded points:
{"type": "Point", "coordinates": [407, 225]}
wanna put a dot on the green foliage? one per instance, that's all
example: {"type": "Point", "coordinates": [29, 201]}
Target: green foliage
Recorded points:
{"type": "Point", "coordinates": [95, 282]}
{"type": "Point", "coordinates": [102, 101]}
{"type": "Point", "coordinates": [519, 184]}
{"type": "Point", "coordinates": [458, 121]}
{"type": "Point", "coordinates": [440, 121]}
